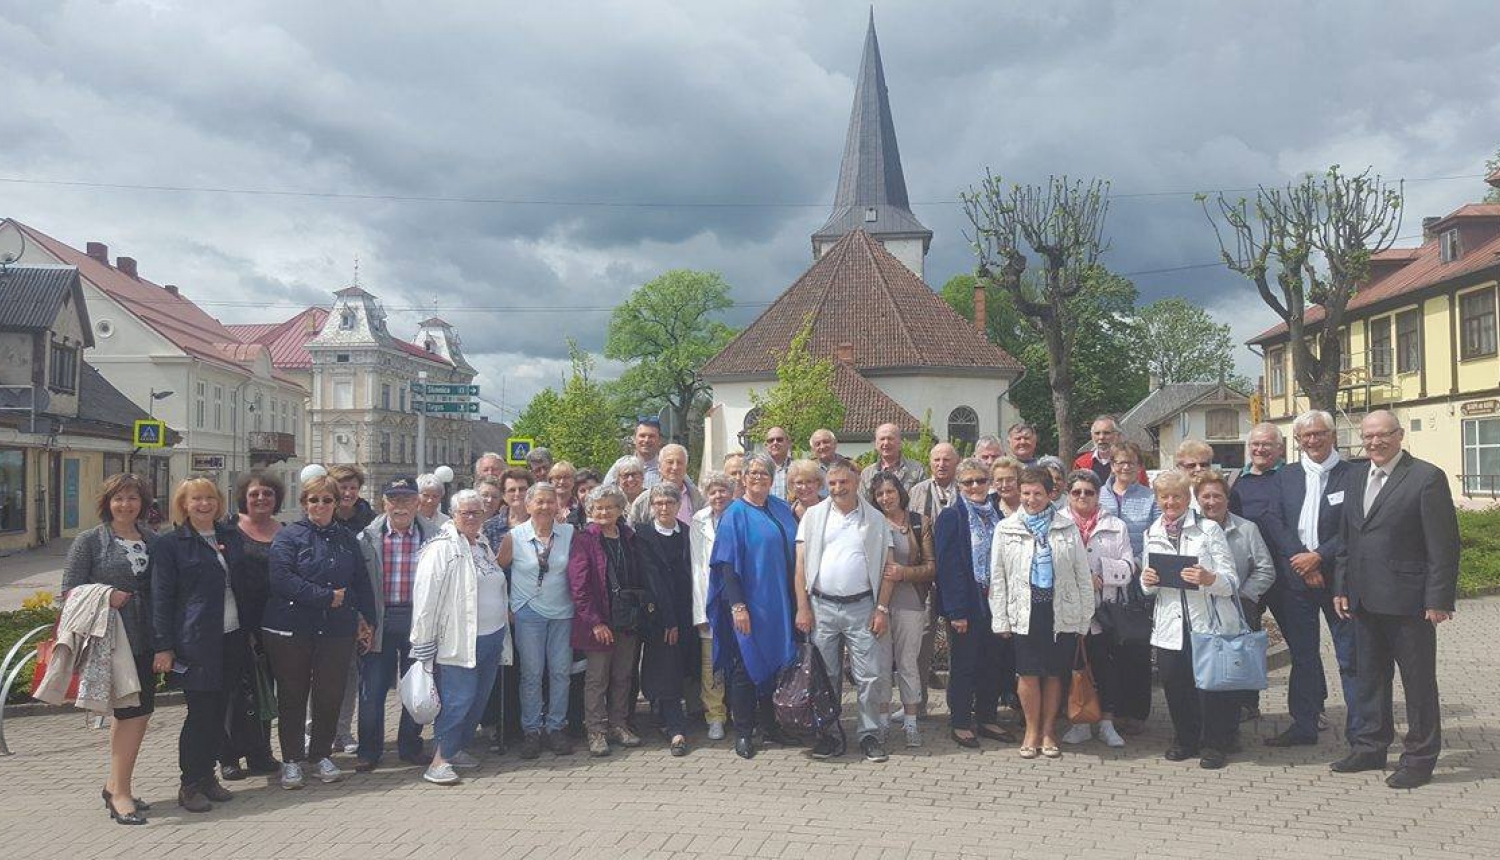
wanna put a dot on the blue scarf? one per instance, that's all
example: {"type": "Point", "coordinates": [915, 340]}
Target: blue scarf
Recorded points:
{"type": "Point", "coordinates": [981, 537]}
{"type": "Point", "coordinates": [1041, 560]}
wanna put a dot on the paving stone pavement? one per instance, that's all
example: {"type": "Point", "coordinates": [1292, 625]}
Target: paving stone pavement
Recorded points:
{"type": "Point", "coordinates": [939, 801]}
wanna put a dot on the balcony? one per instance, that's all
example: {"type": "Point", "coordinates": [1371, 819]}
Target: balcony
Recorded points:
{"type": "Point", "coordinates": [267, 448]}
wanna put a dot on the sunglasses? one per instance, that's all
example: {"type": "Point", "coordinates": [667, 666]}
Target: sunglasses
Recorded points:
{"type": "Point", "coordinates": [1083, 494]}
{"type": "Point", "coordinates": [776, 439]}
{"type": "Point", "coordinates": [974, 482]}
{"type": "Point", "coordinates": [321, 500]}
{"type": "Point", "coordinates": [1189, 464]}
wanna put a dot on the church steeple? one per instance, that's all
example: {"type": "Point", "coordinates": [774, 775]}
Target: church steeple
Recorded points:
{"type": "Point", "coordinates": [872, 189]}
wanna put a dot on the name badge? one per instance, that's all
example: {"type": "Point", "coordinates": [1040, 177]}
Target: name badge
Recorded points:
{"type": "Point", "coordinates": [1336, 498]}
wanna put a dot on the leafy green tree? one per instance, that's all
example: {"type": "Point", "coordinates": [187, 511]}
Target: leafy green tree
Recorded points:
{"type": "Point", "coordinates": [1182, 343]}
{"type": "Point", "coordinates": [539, 416]}
{"type": "Point", "coordinates": [581, 424]}
{"type": "Point", "coordinates": [1491, 165]}
{"type": "Point", "coordinates": [667, 330]}
{"type": "Point", "coordinates": [803, 399]}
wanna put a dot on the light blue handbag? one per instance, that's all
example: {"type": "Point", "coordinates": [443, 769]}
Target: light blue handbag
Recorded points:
{"type": "Point", "coordinates": [1223, 662]}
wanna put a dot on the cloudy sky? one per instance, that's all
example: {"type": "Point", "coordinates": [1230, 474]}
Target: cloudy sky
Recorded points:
{"type": "Point", "coordinates": [599, 144]}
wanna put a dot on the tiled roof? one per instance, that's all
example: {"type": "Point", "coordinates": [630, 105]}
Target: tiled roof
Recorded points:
{"type": "Point", "coordinates": [859, 294]}
{"type": "Point", "coordinates": [170, 314]}
{"type": "Point", "coordinates": [1423, 266]}
{"type": "Point", "coordinates": [867, 407]}
{"type": "Point", "coordinates": [1162, 404]}
{"type": "Point", "coordinates": [287, 340]}
{"type": "Point", "coordinates": [32, 296]}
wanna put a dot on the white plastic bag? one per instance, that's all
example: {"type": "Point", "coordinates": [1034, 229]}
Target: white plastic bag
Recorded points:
{"type": "Point", "coordinates": [419, 694]}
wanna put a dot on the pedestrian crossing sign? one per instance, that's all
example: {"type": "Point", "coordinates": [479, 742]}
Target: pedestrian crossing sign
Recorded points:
{"type": "Point", "coordinates": [150, 434]}
{"type": "Point", "coordinates": [516, 449]}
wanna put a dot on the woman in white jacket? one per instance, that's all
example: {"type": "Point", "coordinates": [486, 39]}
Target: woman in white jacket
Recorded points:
{"type": "Point", "coordinates": [1042, 595]}
{"type": "Point", "coordinates": [718, 491]}
{"type": "Point", "coordinates": [1203, 722]}
{"type": "Point", "coordinates": [460, 615]}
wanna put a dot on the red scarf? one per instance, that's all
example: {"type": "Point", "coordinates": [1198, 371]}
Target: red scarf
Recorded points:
{"type": "Point", "coordinates": [1086, 526]}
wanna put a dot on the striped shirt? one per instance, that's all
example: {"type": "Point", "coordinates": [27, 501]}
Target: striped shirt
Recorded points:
{"type": "Point", "coordinates": [399, 558]}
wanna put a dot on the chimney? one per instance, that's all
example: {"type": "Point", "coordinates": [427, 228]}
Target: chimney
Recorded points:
{"type": "Point", "coordinates": [1153, 382]}
{"type": "Point", "coordinates": [99, 251]}
{"type": "Point", "coordinates": [1427, 224]}
{"type": "Point", "coordinates": [981, 308]}
{"type": "Point", "coordinates": [844, 353]}
{"type": "Point", "coordinates": [170, 288]}
{"type": "Point", "coordinates": [126, 265]}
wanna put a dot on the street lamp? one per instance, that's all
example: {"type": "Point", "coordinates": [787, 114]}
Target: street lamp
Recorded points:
{"type": "Point", "coordinates": [155, 396]}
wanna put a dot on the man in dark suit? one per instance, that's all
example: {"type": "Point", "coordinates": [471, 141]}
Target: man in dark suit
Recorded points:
{"type": "Point", "coordinates": [1308, 517]}
{"type": "Point", "coordinates": [1396, 576]}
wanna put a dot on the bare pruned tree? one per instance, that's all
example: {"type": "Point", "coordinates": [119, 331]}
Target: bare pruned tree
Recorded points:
{"type": "Point", "coordinates": [1062, 223]}
{"type": "Point", "coordinates": [1316, 237]}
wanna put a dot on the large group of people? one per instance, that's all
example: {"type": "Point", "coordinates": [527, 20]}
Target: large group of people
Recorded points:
{"type": "Point", "coordinates": [547, 600]}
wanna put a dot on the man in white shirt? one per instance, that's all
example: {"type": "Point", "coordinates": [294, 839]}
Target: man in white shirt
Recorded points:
{"type": "Point", "coordinates": [843, 549]}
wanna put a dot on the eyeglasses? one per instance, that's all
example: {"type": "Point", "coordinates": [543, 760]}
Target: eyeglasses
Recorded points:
{"type": "Point", "coordinates": [468, 513]}
{"type": "Point", "coordinates": [974, 482]}
{"type": "Point", "coordinates": [1314, 434]}
{"type": "Point", "coordinates": [1192, 464]}
{"type": "Point", "coordinates": [1264, 446]}
{"type": "Point", "coordinates": [1082, 493]}
{"type": "Point", "coordinates": [321, 500]}
{"type": "Point", "coordinates": [757, 473]}
{"type": "Point", "coordinates": [1378, 435]}
{"type": "Point", "coordinates": [1123, 464]}
{"type": "Point", "coordinates": [776, 439]}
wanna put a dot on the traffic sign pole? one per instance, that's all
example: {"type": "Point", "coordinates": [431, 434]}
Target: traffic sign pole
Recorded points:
{"type": "Point", "coordinates": [421, 387]}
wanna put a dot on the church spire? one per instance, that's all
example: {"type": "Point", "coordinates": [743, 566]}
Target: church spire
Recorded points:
{"type": "Point", "coordinates": [871, 192]}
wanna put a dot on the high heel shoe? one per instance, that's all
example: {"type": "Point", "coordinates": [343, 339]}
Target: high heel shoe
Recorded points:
{"type": "Point", "coordinates": [122, 817]}
{"type": "Point", "coordinates": [140, 805]}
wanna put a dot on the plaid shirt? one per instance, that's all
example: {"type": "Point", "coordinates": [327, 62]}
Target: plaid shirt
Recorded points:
{"type": "Point", "coordinates": [399, 558]}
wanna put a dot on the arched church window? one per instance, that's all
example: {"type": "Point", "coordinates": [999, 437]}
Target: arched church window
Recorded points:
{"type": "Point", "coordinates": [963, 428]}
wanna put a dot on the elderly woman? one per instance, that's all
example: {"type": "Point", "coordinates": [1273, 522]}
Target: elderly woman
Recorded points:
{"type": "Point", "coordinates": [718, 490]}
{"type": "Point", "coordinates": [258, 496]}
{"type": "Point", "coordinates": [430, 492]}
{"type": "Point", "coordinates": [539, 462]}
{"type": "Point", "coordinates": [804, 485]}
{"type": "Point", "coordinates": [1125, 497]}
{"type": "Point", "coordinates": [1042, 597]}
{"type": "Point", "coordinates": [536, 553]}
{"type": "Point", "coordinates": [1122, 670]}
{"type": "Point", "coordinates": [904, 591]}
{"type": "Point", "coordinates": [670, 649]}
{"type": "Point", "coordinates": [1203, 722]}
{"type": "Point", "coordinates": [196, 623]}
{"type": "Point", "coordinates": [608, 607]}
{"type": "Point", "coordinates": [962, 540]}
{"type": "Point", "coordinates": [584, 482]}
{"type": "Point", "coordinates": [1005, 484]}
{"type": "Point", "coordinates": [630, 477]}
{"type": "Point", "coordinates": [460, 609]}
{"type": "Point", "coordinates": [321, 600]}
{"type": "Point", "coordinates": [564, 477]}
{"type": "Point", "coordinates": [672, 464]}
{"type": "Point", "coordinates": [750, 601]}
{"type": "Point", "coordinates": [1059, 472]}
{"type": "Point", "coordinates": [117, 553]}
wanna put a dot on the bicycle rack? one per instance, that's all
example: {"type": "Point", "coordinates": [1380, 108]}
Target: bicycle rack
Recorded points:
{"type": "Point", "coordinates": [10, 673]}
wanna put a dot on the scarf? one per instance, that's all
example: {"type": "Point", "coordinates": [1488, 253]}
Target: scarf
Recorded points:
{"type": "Point", "coordinates": [1173, 526]}
{"type": "Point", "coordinates": [1041, 560]}
{"type": "Point", "coordinates": [1086, 524]}
{"type": "Point", "coordinates": [981, 537]}
{"type": "Point", "coordinates": [1315, 478]}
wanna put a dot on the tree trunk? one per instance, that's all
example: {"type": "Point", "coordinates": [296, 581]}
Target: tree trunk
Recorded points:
{"type": "Point", "coordinates": [1060, 376]}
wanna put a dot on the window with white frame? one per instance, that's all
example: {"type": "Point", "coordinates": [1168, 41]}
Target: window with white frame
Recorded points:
{"type": "Point", "coordinates": [1276, 358]}
{"type": "Point", "coordinates": [218, 407]}
{"type": "Point", "coordinates": [1481, 456]}
{"type": "Point", "coordinates": [200, 404]}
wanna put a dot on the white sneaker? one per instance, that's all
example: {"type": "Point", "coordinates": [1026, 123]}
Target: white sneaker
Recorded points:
{"type": "Point", "coordinates": [291, 775]}
{"type": "Point", "coordinates": [464, 761]}
{"type": "Point", "coordinates": [441, 774]}
{"type": "Point", "coordinates": [328, 771]}
{"type": "Point", "coordinates": [913, 735]}
{"type": "Point", "coordinates": [349, 745]}
{"type": "Point", "coordinates": [716, 731]}
{"type": "Point", "coordinates": [1079, 733]}
{"type": "Point", "coordinates": [1108, 734]}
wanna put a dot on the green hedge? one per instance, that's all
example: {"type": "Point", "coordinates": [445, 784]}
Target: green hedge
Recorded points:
{"type": "Point", "coordinates": [1479, 564]}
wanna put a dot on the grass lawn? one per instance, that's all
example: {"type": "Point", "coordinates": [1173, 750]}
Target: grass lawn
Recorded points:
{"type": "Point", "coordinates": [1479, 564]}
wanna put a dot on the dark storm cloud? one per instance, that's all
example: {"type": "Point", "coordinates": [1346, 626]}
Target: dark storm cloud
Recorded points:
{"type": "Point", "coordinates": [689, 103]}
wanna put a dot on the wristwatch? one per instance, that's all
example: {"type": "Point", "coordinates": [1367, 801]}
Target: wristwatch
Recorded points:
{"type": "Point", "coordinates": [882, 609]}
{"type": "Point", "coordinates": [739, 607]}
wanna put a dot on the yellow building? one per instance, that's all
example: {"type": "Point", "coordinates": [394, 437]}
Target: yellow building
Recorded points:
{"type": "Point", "coordinates": [1420, 339]}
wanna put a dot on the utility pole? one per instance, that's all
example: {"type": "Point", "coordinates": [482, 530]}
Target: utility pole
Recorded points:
{"type": "Point", "coordinates": [421, 425]}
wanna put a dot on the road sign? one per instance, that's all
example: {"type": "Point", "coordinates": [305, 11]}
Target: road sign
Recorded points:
{"type": "Point", "coordinates": [429, 397]}
{"type": "Point", "coordinates": [516, 449]}
{"type": "Point", "coordinates": [149, 434]}
{"type": "Point", "coordinates": [445, 408]}
{"type": "Point", "coordinates": [452, 390]}
{"type": "Point", "coordinates": [208, 462]}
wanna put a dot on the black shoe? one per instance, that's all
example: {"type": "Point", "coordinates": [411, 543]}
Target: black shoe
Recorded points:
{"type": "Point", "coordinates": [559, 743]}
{"type": "Point", "coordinates": [782, 737]}
{"type": "Point", "coordinates": [215, 792]}
{"type": "Point", "coordinates": [870, 746]}
{"type": "Point", "coordinates": [232, 772]}
{"type": "Point", "coordinates": [191, 798]}
{"type": "Point", "coordinates": [966, 743]}
{"type": "Point", "coordinates": [364, 765]}
{"type": "Point", "coordinates": [1212, 759]}
{"type": "Point", "coordinates": [679, 747]}
{"type": "Point", "coordinates": [498, 745]}
{"type": "Point", "coordinates": [827, 747]}
{"type": "Point", "coordinates": [123, 817]}
{"type": "Point", "coordinates": [1179, 753]}
{"type": "Point", "coordinates": [1408, 777]}
{"type": "Point", "coordinates": [1292, 738]}
{"type": "Point", "coordinates": [995, 734]}
{"type": "Point", "coordinates": [531, 746]}
{"type": "Point", "coordinates": [744, 747]}
{"type": "Point", "coordinates": [1248, 713]}
{"type": "Point", "coordinates": [1358, 762]}
{"type": "Point", "coordinates": [267, 766]}
{"type": "Point", "coordinates": [140, 805]}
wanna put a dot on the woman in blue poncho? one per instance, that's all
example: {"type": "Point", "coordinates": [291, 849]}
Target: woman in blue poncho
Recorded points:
{"type": "Point", "coordinates": [750, 603]}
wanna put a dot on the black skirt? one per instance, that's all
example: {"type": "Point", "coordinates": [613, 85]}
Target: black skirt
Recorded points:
{"type": "Point", "coordinates": [148, 689]}
{"type": "Point", "coordinates": [1038, 652]}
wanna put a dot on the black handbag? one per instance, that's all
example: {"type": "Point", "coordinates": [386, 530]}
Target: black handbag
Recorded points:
{"type": "Point", "coordinates": [628, 607]}
{"type": "Point", "coordinates": [1130, 620]}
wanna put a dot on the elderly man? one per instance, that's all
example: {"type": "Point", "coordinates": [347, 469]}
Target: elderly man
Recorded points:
{"type": "Point", "coordinates": [1396, 576]}
{"type": "Point", "coordinates": [779, 447]}
{"type": "Point", "coordinates": [1307, 513]}
{"type": "Point", "coordinates": [734, 467]}
{"type": "Point", "coordinates": [489, 465]}
{"type": "Point", "coordinates": [930, 498]}
{"type": "Point", "coordinates": [888, 446]}
{"type": "Point", "coordinates": [825, 449]}
{"type": "Point", "coordinates": [988, 449]}
{"type": "Point", "coordinates": [539, 461]}
{"type": "Point", "coordinates": [1022, 438]}
{"type": "Point", "coordinates": [646, 445]}
{"type": "Point", "coordinates": [390, 545]}
{"type": "Point", "coordinates": [1105, 432]}
{"type": "Point", "coordinates": [673, 462]}
{"type": "Point", "coordinates": [844, 549]}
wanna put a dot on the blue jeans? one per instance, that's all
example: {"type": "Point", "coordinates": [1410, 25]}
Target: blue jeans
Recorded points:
{"type": "Point", "coordinates": [464, 693]}
{"type": "Point", "coordinates": [378, 672]}
{"type": "Point", "coordinates": [1296, 612]}
{"type": "Point", "coordinates": [546, 648]}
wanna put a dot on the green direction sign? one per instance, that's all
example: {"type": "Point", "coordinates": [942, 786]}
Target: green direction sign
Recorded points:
{"type": "Point", "coordinates": [443, 388]}
{"type": "Point", "coordinates": [441, 408]}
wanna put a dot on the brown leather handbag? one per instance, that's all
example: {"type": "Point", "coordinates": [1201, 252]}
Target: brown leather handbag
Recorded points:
{"type": "Point", "coordinates": [1083, 697]}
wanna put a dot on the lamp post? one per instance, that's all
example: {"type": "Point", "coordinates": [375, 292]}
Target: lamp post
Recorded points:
{"type": "Point", "coordinates": [155, 396]}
